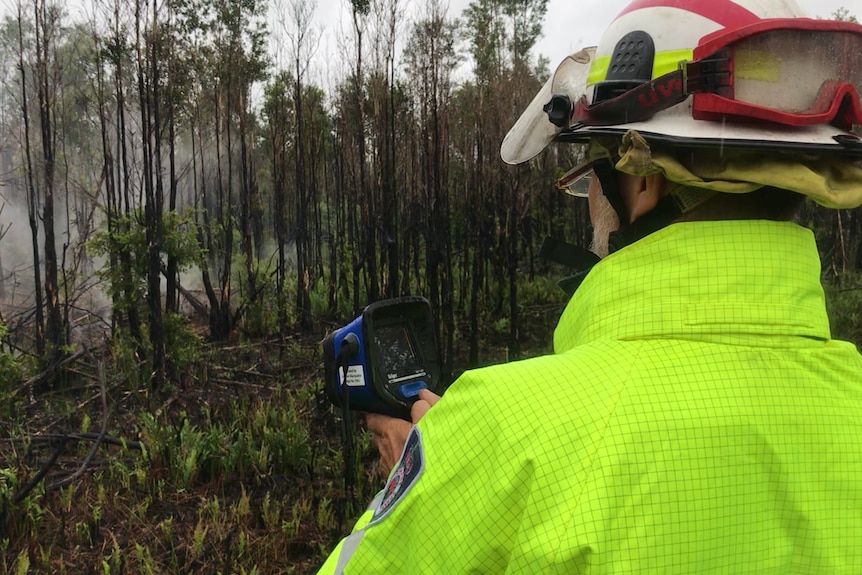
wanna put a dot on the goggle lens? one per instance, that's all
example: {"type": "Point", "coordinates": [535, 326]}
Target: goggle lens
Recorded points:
{"type": "Point", "coordinates": [790, 76]}
{"type": "Point", "coordinates": [576, 182]}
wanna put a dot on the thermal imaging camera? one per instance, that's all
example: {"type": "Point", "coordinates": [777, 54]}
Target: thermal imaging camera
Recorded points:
{"type": "Point", "coordinates": [381, 360]}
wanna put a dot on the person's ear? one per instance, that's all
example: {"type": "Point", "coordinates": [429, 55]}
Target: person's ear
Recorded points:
{"type": "Point", "coordinates": [651, 192]}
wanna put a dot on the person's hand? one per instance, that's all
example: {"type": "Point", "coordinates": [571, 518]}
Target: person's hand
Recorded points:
{"type": "Point", "coordinates": [389, 434]}
{"type": "Point", "coordinates": [421, 406]}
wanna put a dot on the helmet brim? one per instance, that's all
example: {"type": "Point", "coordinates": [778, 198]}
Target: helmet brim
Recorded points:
{"type": "Point", "coordinates": [534, 131]}
{"type": "Point", "coordinates": [675, 129]}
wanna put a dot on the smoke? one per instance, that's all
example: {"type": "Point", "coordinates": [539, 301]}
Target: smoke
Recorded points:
{"type": "Point", "coordinates": [16, 255]}
{"type": "Point", "coordinates": [81, 293]}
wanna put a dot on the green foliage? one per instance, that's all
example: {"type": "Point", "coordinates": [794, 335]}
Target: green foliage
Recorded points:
{"type": "Point", "coordinates": [844, 304]}
{"type": "Point", "coordinates": [22, 563]}
{"type": "Point", "coordinates": [127, 285]}
{"type": "Point", "coordinates": [844, 15]}
{"type": "Point", "coordinates": [227, 476]}
{"type": "Point", "coordinates": [501, 326]}
{"type": "Point", "coordinates": [261, 315]}
{"type": "Point", "coordinates": [319, 297]}
{"type": "Point", "coordinates": [23, 519]}
{"type": "Point", "coordinates": [182, 345]}
{"type": "Point", "coordinates": [361, 6]}
{"type": "Point", "coordinates": [527, 17]}
{"type": "Point", "coordinates": [126, 360]}
{"type": "Point", "coordinates": [540, 290]}
{"type": "Point", "coordinates": [486, 33]}
{"type": "Point", "coordinates": [10, 371]}
{"type": "Point", "coordinates": [250, 440]}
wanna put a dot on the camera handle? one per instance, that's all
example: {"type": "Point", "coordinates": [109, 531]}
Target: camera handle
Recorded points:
{"type": "Point", "coordinates": [349, 350]}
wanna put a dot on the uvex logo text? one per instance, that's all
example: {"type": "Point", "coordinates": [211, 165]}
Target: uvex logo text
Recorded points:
{"type": "Point", "coordinates": [659, 93]}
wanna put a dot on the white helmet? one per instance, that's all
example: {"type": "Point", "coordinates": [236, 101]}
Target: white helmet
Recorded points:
{"type": "Point", "coordinates": [731, 73]}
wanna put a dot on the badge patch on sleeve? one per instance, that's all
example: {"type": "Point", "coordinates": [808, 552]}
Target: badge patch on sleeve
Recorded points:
{"type": "Point", "coordinates": [403, 477]}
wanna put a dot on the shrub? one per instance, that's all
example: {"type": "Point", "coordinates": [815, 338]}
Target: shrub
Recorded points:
{"type": "Point", "coordinates": [10, 371]}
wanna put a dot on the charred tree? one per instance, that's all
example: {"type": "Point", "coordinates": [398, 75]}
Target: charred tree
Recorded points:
{"type": "Point", "coordinates": [148, 77]}
{"type": "Point", "coordinates": [45, 20]}
{"type": "Point", "coordinates": [32, 198]}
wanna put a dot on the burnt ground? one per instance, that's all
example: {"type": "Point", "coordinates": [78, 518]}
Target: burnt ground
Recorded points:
{"type": "Point", "coordinates": [237, 468]}
{"type": "Point", "coordinates": [181, 479]}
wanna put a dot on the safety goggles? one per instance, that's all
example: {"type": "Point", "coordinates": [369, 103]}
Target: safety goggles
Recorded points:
{"type": "Point", "coordinates": [795, 72]}
{"type": "Point", "coordinates": [576, 182]}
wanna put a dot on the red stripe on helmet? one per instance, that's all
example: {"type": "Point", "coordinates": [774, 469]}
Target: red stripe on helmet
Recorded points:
{"type": "Point", "coordinates": [728, 14]}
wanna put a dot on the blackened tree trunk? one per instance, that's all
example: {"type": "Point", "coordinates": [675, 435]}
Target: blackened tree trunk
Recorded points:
{"type": "Point", "coordinates": [148, 93]}
{"type": "Point", "coordinates": [171, 272]}
{"type": "Point", "coordinates": [32, 198]}
{"type": "Point", "coordinates": [303, 299]}
{"type": "Point", "coordinates": [247, 193]}
{"type": "Point", "coordinates": [368, 203]}
{"type": "Point", "coordinates": [125, 206]}
{"type": "Point", "coordinates": [54, 332]}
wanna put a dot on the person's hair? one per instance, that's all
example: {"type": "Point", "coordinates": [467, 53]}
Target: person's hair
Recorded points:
{"type": "Point", "coordinates": [767, 203]}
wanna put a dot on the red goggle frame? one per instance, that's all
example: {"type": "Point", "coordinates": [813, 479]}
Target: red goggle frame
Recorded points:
{"type": "Point", "coordinates": [795, 72]}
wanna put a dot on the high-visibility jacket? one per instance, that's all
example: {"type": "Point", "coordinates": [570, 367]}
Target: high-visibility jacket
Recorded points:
{"type": "Point", "coordinates": [696, 417]}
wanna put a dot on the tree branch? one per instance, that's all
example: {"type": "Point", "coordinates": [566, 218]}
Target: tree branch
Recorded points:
{"type": "Point", "coordinates": [38, 477]}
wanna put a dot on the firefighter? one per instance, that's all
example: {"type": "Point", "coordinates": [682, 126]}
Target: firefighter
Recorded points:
{"type": "Point", "coordinates": [696, 415]}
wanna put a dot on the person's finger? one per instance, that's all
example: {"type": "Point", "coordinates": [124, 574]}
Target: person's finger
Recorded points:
{"type": "Point", "coordinates": [428, 396]}
{"type": "Point", "coordinates": [426, 401]}
{"type": "Point", "coordinates": [419, 409]}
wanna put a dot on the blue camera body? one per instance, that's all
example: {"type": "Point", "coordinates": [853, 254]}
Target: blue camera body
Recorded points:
{"type": "Point", "coordinates": [381, 360]}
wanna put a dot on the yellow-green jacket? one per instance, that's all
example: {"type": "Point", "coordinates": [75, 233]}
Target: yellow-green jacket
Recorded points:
{"type": "Point", "coordinates": [696, 417]}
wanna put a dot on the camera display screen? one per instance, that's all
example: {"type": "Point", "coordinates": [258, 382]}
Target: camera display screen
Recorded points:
{"type": "Point", "coordinates": [398, 353]}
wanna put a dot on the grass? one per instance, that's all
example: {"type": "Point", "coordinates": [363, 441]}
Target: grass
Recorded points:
{"type": "Point", "coordinates": [225, 475]}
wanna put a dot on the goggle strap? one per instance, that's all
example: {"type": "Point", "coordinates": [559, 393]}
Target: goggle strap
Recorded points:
{"type": "Point", "coordinates": [711, 74]}
{"type": "Point", "coordinates": [604, 170]}
{"type": "Point", "coordinates": [636, 105]}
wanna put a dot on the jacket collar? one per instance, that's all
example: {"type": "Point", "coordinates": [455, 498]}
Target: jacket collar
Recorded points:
{"type": "Point", "coordinates": [724, 281]}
